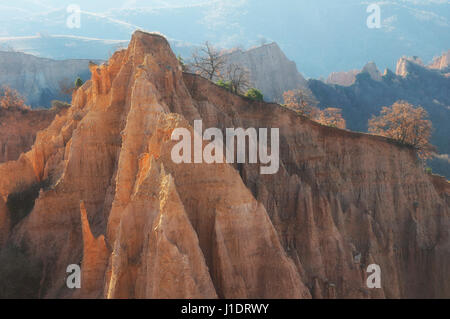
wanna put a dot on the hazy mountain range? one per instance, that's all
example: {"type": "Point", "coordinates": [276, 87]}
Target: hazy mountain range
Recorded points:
{"type": "Point", "coordinates": [321, 36]}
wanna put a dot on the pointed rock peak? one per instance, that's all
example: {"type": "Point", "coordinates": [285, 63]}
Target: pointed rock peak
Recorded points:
{"type": "Point", "coordinates": [370, 66]}
{"type": "Point", "coordinates": [153, 166]}
{"type": "Point", "coordinates": [372, 69]}
{"type": "Point", "coordinates": [167, 191]}
{"type": "Point", "coordinates": [388, 72]}
{"type": "Point", "coordinates": [162, 170]}
{"type": "Point", "coordinates": [405, 63]}
{"type": "Point", "coordinates": [442, 62]}
{"type": "Point", "coordinates": [146, 42]}
{"type": "Point", "coordinates": [145, 35]}
{"type": "Point", "coordinates": [87, 234]}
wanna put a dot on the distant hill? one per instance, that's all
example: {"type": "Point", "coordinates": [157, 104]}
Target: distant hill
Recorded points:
{"type": "Point", "coordinates": [64, 47]}
{"type": "Point", "coordinates": [321, 36]}
{"type": "Point", "coordinates": [270, 70]}
{"type": "Point", "coordinates": [347, 78]}
{"type": "Point", "coordinates": [39, 80]}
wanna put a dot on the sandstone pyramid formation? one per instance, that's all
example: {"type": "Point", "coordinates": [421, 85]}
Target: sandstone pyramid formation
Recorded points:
{"type": "Point", "coordinates": [141, 226]}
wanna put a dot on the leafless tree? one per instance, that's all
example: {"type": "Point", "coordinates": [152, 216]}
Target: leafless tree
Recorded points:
{"type": "Point", "coordinates": [207, 61]}
{"type": "Point", "coordinates": [238, 77]}
{"type": "Point", "coordinates": [66, 87]}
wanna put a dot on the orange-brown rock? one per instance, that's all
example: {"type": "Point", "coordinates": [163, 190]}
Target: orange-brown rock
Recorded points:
{"type": "Point", "coordinates": [150, 228]}
{"type": "Point", "coordinates": [95, 256]}
{"type": "Point", "coordinates": [18, 130]}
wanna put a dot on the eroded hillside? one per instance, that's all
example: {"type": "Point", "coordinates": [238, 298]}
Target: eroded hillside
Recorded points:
{"type": "Point", "coordinates": [141, 226]}
{"type": "Point", "coordinates": [18, 129]}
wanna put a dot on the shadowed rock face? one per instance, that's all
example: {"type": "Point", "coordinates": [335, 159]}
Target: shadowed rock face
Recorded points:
{"type": "Point", "coordinates": [343, 78]}
{"type": "Point", "coordinates": [144, 227]}
{"type": "Point", "coordinates": [348, 78]}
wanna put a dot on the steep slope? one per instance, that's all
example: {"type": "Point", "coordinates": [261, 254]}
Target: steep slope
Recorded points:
{"type": "Point", "coordinates": [142, 226]}
{"type": "Point", "coordinates": [18, 129]}
{"type": "Point", "coordinates": [39, 80]}
{"type": "Point", "coordinates": [270, 70]}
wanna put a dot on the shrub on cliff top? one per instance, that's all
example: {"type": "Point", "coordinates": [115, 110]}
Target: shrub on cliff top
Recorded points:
{"type": "Point", "coordinates": [406, 124]}
{"type": "Point", "coordinates": [59, 105]}
{"type": "Point", "coordinates": [78, 83]}
{"type": "Point", "coordinates": [303, 102]}
{"type": "Point", "coordinates": [11, 99]}
{"type": "Point", "coordinates": [255, 94]}
{"type": "Point", "coordinates": [332, 116]}
{"type": "Point", "coordinates": [224, 84]}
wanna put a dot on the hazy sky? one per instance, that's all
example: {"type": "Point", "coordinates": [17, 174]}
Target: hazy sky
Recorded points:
{"type": "Point", "coordinates": [320, 35]}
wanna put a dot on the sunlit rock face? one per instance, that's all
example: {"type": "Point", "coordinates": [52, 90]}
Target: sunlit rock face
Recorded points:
{"type": "Point", "coordinates": [270, 70]}
{"type": "Point", "coordinates": [141, 226]}
{"type": "Point", "coordinates": [18, 129]}
{"type": "Point", "coordinates": [442, 62]}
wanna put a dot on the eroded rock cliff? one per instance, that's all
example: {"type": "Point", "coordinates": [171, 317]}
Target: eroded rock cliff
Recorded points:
{"type": "Point", "coordinates": [18, 129]}
{"type": "Point", "coordinates": [441, 63]}
{"type": "Point", "coordinates": [141, 226]}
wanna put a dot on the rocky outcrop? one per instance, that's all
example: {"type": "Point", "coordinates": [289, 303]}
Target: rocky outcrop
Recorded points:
{"type": "Point", "coordinates": [329, 209]}
{"type": "Point", "coordinates": [270, 70]}
{"type": "Point", "coordinates": [344, 78]}
{"type": "Point", "coordinates": [340, 201]}
{"type": "Point", "coordinates": [95, 256]}
{"type": "Point", "coordinates": [405, 64]}
{"type": "Point", "coordinates": [18, 129]}
{"type": "Point", "coordinates": [441, 63]}
{"type": "Point", "coordinates": [348, 78]}
{"type": "Point", "coordinates": [40, 80]}
{"type": "Point", "coordinates": [372, 69]}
